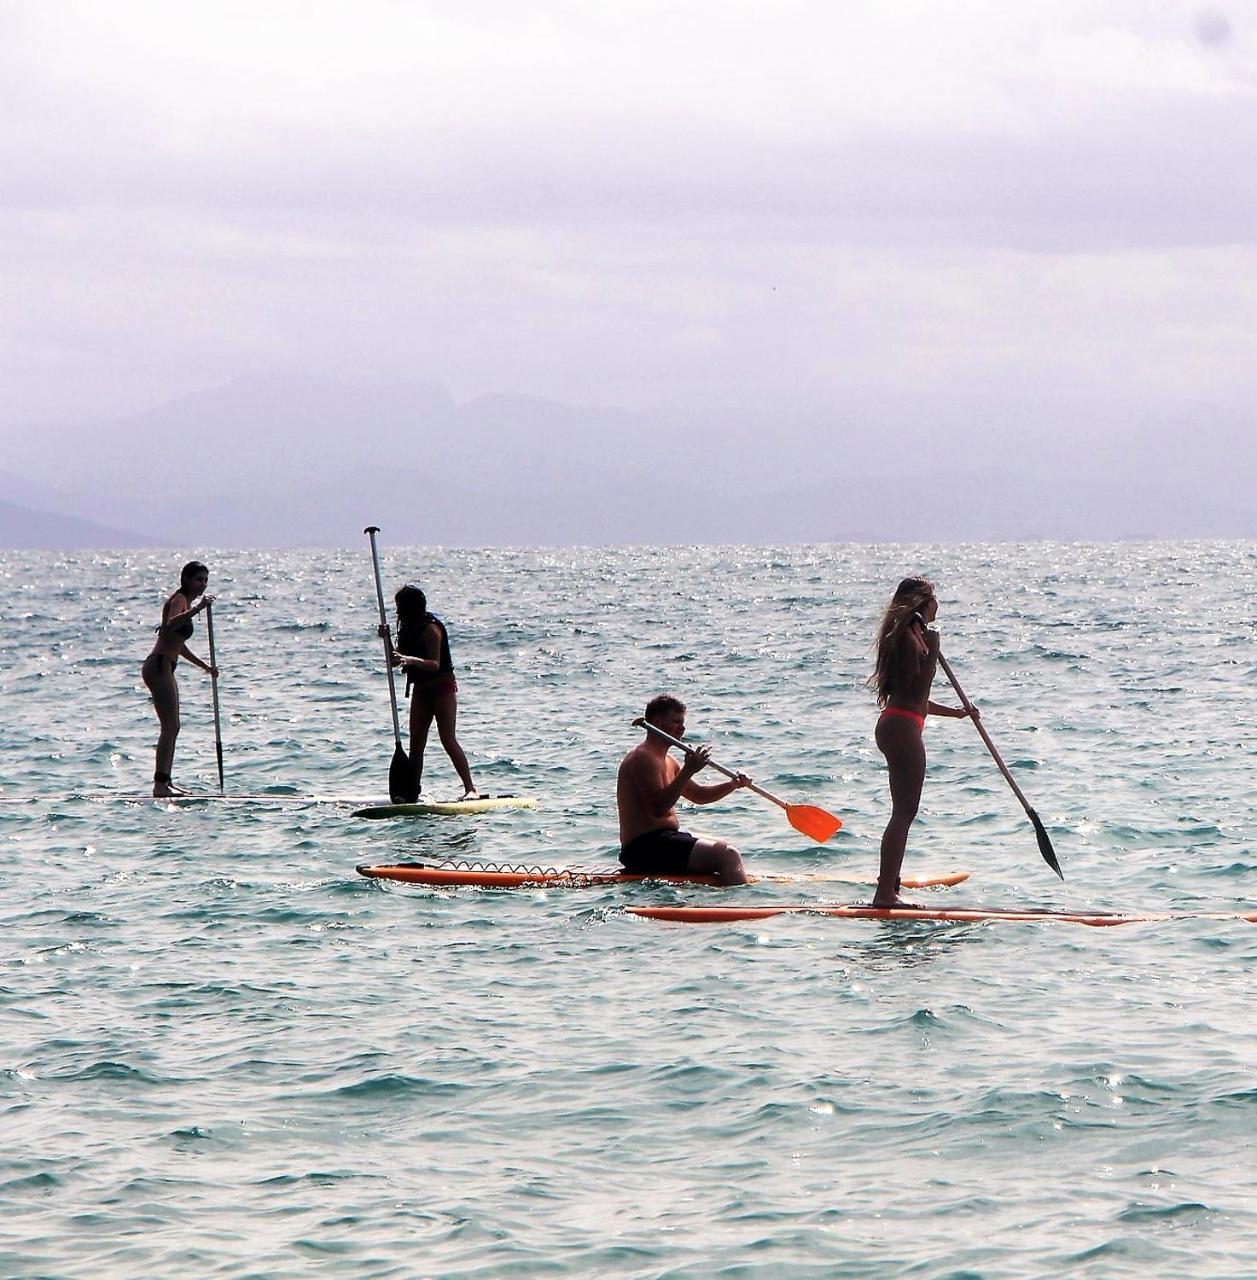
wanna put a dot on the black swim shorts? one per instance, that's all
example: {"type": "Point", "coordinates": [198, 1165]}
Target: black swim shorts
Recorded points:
{"type": "Point", "coordinates": [659, 853]}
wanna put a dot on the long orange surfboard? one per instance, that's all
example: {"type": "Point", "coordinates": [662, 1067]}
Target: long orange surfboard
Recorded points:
{"type": "Point", "coordinates": [732, 915]}
{"type": "Point", "coordinates": [489, 877]}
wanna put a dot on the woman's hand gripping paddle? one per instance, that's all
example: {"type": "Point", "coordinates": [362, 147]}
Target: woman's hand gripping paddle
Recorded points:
{"type": "Point", "coordinates": [807, 818]}
{"type": "Point", "coordinates": [1045, 845]}
{"type": "Point", "coordinates": [401, 777]}
{"type": "Point", "coordinates": [218, 722]}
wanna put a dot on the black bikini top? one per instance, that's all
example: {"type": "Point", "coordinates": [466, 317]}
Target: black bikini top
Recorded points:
{"type": "Point", "coordinates": [406, 636]}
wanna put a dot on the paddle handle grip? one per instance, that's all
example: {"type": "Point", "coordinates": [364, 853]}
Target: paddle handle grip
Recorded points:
{"type": "Point", "coordinates": [371, 530]}
{"type": "Point", "coordinates": [986, 737]}
{"type": "Point", "coordinates": [218, 722]}
{"type": "Point", "coordinates": [643, 723]}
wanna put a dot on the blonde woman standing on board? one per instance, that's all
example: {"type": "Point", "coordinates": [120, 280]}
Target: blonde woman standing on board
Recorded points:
{"type": "Point", "coordinates": [173, 633]}
{"type": "Point", "coordinates": [907, 657]}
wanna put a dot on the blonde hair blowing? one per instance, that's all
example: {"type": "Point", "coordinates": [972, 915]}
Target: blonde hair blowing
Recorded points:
{"type": "Point", "coordinates": [911, 596]}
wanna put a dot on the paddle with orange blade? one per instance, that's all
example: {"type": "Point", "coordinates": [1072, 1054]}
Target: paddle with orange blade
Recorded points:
{"type": "Point", "coordinates": [807, 818]}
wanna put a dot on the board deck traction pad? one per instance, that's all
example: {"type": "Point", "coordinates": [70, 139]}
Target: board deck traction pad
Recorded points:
{"type": "Point", "coordinates": [473, 873]}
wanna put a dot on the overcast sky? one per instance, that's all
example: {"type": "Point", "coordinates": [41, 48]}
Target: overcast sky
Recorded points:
{"type": "Point", "coordinates": [629, 202]}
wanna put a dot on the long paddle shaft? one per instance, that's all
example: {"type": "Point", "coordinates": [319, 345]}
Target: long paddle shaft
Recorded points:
{"type": "Point", "coordinates": [218, 721]}
{"type": "Point", "coordinates": [807, 818]}
{"type": "Point", "coordinates": [401, 782]}
{"type": "Point", "coordinates": [1045, 845]}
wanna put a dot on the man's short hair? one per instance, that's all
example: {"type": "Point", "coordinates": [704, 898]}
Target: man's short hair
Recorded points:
{"type": "Point", "coordinates": [663, 704]}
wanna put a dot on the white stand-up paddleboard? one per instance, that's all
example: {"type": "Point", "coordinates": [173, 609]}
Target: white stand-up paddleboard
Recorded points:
{"type": "Point", "coordinates": [427, 808]}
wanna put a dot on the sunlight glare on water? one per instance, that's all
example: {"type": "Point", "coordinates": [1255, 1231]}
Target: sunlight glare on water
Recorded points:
{"type": "Point", "coordinates": [227, 1054]}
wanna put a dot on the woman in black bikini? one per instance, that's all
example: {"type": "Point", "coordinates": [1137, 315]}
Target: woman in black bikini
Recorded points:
{"type": "Point", "coordinates": [907, 657]}
{"type": "Point", "coordinates": [159, 667]}
{"type": "Point", "coordinates": [423, 652]}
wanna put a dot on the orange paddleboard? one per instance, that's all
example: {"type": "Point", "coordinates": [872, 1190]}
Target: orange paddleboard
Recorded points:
{"type": "Point", "coordinates": [732, 915]}
{"type": "Point", "coordinates": [490, 877]}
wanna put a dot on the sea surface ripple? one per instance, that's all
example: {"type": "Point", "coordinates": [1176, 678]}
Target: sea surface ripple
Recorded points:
{"type": "Point", "coordinates": [225, 1054]}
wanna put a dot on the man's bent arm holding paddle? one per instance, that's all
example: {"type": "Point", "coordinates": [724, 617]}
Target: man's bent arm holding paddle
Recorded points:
{"type": "Point", "coordinates": [649, 785]}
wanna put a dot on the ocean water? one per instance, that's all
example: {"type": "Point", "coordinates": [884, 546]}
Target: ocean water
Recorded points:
{"type": "Point", "coordinates": [226, 1054]}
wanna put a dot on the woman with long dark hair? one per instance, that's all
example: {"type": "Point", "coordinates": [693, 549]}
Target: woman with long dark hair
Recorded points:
{"type": "Point", "coordinates": [158, 671]}
{"type": "Point", "coordinates": [423, 653]}
{"type": "Point", "coordinates": [907, 657]}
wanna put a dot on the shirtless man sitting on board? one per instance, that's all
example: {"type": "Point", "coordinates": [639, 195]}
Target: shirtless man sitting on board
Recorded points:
{"type": "Point", "coordinates": [649, 785]}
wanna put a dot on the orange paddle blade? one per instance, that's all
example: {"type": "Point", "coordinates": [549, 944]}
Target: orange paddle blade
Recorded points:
{"type": "Point", "coordinates": [812, 821]}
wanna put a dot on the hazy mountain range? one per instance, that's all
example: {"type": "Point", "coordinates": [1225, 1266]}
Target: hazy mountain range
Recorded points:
{"type": "Point", "coordinates": [280, 460]}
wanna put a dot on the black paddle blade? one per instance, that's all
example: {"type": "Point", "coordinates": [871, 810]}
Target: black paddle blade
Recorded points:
{"type": "Point", "coordinates": [1045, 845]}
{"type": "Point", "coordinates": [401, 779]}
